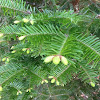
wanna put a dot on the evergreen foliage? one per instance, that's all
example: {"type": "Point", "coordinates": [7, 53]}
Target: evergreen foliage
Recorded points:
{"type": "Point", "coordinates": [28, 36]}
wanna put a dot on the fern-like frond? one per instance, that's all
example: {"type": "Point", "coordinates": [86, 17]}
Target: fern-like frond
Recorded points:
{"type": "Point", "coordinates": [36, 34]}
{"type": "Point", "coordinates": [31, 30]}
{"type": "Point", "coordinates": [37, 74]}
{"type": "Point", "coordinates": [57, 16]}
{"type": "Point", "coordinates": [63, 44]}
{"type": "Point", "coordinates": [9, 71]}
{"type": "Point", "coordinates": [91, 48]}
{"type": "Point", "coordinates": [10, 29]}
{"type": "Point", "coordinates": [18, 85]}
{"type": "Point", "coordinates": [62, 73]}
{"type": "Point", "coordinates": [14, 6]}
{"type": "Point", "coordinates": [87, 73]}
{"type": "Point", "coordinates": [39, 29]}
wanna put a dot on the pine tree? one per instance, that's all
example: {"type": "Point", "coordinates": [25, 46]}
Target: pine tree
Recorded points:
{"type": "Point", "coordinates": [47, 55]}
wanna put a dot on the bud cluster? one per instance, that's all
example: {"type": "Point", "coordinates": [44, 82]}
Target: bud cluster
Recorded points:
{"type": "Point", "coordinates": [5, 59]}
{"type": "Point", "coordinates": [53, 80]}
{"type": "Point", "coordinates": [25, 20]}
{"type": "Point", "coordinates": [13, 51]}
{"type": "Point", "coordinates": [29, 90]}
{"type": "Point", "coordinates": [1, 34]}
{"type": "Point", "coordinates": [19, 92]}
{"type": "Point", "coordinates": [28, 50]}
{"type": "Point", "coordinates": [44, 81]}
{"type": "Point", "coordinates": [56, 59]}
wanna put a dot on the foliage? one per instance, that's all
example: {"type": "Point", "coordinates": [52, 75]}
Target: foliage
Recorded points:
{"type": "Point", "coordinates": [28, 36]}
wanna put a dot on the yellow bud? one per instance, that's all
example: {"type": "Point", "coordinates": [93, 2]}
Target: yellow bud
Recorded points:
{"type": "Point", "coordinates": [0, 88]}
{"type": "Point", "coordinates": [12, 47]}
{"type": "Point", "coordinates": [57, 83]}
{"type": "Point", "coordinates": [16, 21]}
{"type": "Point", "coordinates": [48, 59]}
{"type": "Point", "coordinates": [31, 96]}
{"type": "Point", "coordinates": [50, 77]}
{"type": "Point", "coordinates": [56, 60]}
{"type": "Point", "coordinates": [62, 84]}
{"type": "Point", "coordinates": [19, 92]}
{"type": "Point", "coordinates": [53, 80]}
{"type": "Point", "coordinates": [0, 97]}
{"type": "Point", "coordinates": [24, 49]}
{"type": "Point", "coordinates": [31, 50]}
{"type": "Point", "coordinates": [28, 51]}
{"type": "Point", "coordinates": [92, 84]}
{"type": "Point", "coordinates": [7, 59]}
{"type": "Point", "coordinates": [64, 60]}
{"type": "Point", "coordinates": [25, 20]}
{"type": "Point", "coordinates": [32, 22]}
{"type": "Point", "coordinates": [1, 34]}
{"type": "Point", "coordinates": [42, 82]}
{"type": "Point", "coordinates": [46, 81]}
{"type": "Point", "coordinates": [4, 59]}
{"type": "Point", "coordinates": [21, 37]}
{"type": "Point", "coordinates": [13, 51]}
{"type": "Point", "coordinates": [27, 90]}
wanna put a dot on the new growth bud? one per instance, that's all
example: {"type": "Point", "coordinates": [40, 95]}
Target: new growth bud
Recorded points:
{"type": "Point", "coordinates": [4, 59]}
{"type": "Point", "coordinates": [32, 22]}
{"type": "Point", "coordinates": [57, 83]}
{"type": "Point", "coordinates": [13, 51]}
{"type": "Point", "coordinates": [24, 49]}
{"type": "Point", "coordinates": [92, 84]}
{"type": "Point", "coordinates": [42, 82]}
{"type": "Point", "coordinates": [28, 51]}
{"type": "Point", "coordinates": [46, 81]}
{"type": "Point", "coordinates": [12, 47]}
{"type": "Point", "coordinates": [25, 20]}
{"type": "Point", "coordinates": [16, 21]}
{"type": "Point", "coordinates": [56, 60]}
{"type": "Point", "coordinates": [50, 77]}
{"type": "Point", "coordinates": [53, 80]}
{"type": "Point", "coordinates": [19, 92]}
{"type": "Point", "coordinates": [1, 34]}
{"type": "Point", "coordinates": [64, 60]}
{"type": "Point", "coordinates": [21, 37]}
{"type": "Point", "coordinates": [48, 59]}
{"type": "Point", "coordinates": [7, 59]}
{"type": "Point", "coordinates": [0, 88]}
